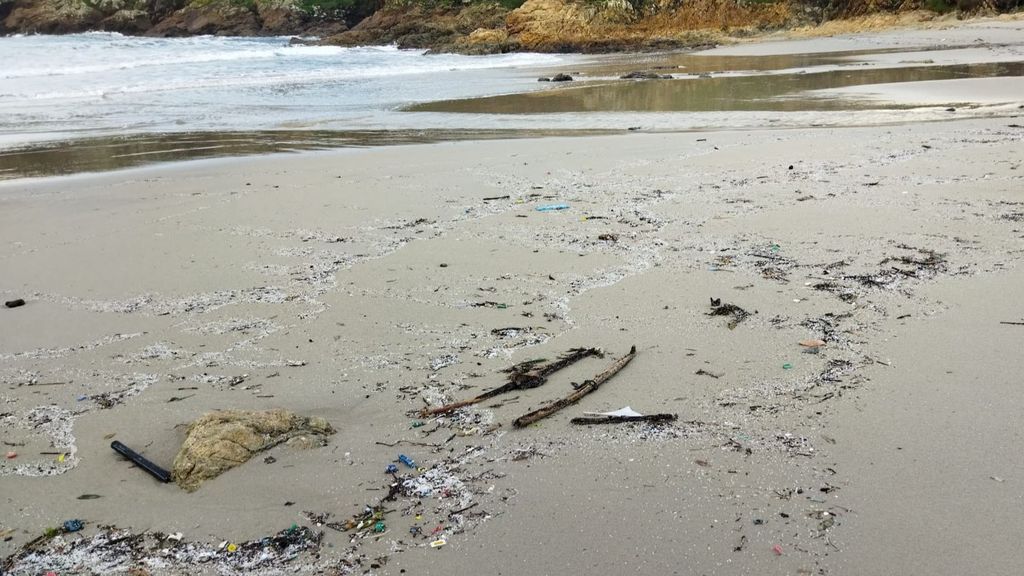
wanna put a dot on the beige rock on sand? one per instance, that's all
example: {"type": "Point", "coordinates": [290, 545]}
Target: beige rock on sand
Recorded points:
{"type": "Point", "coordinates": [221, 440]}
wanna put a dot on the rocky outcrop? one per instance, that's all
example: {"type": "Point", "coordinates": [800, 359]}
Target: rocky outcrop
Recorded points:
{"type": "Point", "coordinates": [467, 26]}
{"type": "Point", "coordinates": [566, 25]}
{"type": "Point", "coordinates": [559, 25]}
{"type": "Point", "coordinates": [172, 17]}
{"type": "Point", "coordinates": [48, 17]}
{"type": "Point", "coordinates": [226, 19]}
{"type": "Point", "coordinates": [442, 28]}
{"type": "Point", "coordinates": [645, 75]}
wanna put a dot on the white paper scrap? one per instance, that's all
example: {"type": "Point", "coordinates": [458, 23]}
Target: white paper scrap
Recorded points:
{"type": "Point", "coordinates": [627, 411]}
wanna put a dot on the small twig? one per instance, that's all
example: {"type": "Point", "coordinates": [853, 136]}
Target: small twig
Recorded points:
{"type": "Point", "coordinates": [1013, 323]}
{"type": "Point", "coordinates": [767, 257]}
{"type": "Point", "coordinates": [408, 442]}
{"type": "Point", "coordinates": [179, 398]}
{"type": "Point", "coordinates": [512, 400]}
{"type": "Point", "coordinates": [461, 510]}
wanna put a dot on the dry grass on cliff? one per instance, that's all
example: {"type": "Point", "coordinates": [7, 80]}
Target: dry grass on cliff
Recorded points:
{"type": "Point", "coordinates": [720, 15]}
{"type": "Point", "coordinates": [550, 25]}
{"type": "Point", "coordinates": [884, 21]}
{"type": "Point", "coordinates": [871, 22]}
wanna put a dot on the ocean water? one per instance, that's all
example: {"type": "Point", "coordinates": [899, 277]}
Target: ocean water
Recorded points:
{"type": "Point", "coordinates": [102, 101]}
{"type": "Point", "coordinates": [99, 84]}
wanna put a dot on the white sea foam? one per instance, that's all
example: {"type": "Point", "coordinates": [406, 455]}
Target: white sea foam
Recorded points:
{"type": "Point", "coordinates": [105, 82]}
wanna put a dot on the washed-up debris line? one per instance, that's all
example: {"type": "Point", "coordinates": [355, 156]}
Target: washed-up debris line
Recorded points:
{"type": "Point", "coordinates": [919, 268]}
{"type": "Point", "coordinates": [828, 327]}
{"type": "Point", "coordinates": [438, 502]}
{"type": "Point", "coordinates": [773, 266]}
{"type": "Point", "coordinates": [432, 504]}
{"type": "Point", "coordinates": [115, 550]}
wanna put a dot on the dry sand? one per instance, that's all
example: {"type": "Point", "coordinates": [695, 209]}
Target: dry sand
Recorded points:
{"type": "Point", "coordinates": [348, 285]}
{"type": "Point", "coordinates": [882, 32]}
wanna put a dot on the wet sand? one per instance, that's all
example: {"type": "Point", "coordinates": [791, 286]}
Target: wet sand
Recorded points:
{"type": "Point", "coordinates": [364, 284]}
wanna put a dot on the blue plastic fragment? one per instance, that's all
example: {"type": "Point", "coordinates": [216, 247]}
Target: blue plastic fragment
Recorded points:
{"type": "Point", "coordinates": [552, 207]}
{"type": "Point", "coordinates": [406, 460]}
{"type": "Point", "coordinates": [391, 469]}
{"type": "Point", "coordinates": [72, 525]}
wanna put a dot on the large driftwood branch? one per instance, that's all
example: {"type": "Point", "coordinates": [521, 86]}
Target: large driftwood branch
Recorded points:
{"type": "Point", "coordinates": [522, 376]}
{"type": "Point", "coordinates": [599, 419]}
{"type": "Point", "coordinates": [586, 388]}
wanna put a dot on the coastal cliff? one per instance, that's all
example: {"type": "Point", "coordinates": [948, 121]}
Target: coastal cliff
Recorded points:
{"type": "Point", "coordinates": [563, 25]}
{"type": "Point", "coordinates": [182, 17]}
{"type": "Point", "coordinates": [468, 26]}
{"type": "Point", "coordinates": [489, 26]}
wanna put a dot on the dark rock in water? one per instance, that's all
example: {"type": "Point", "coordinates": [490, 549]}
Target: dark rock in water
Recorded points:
{"type": "Point", "coordinates": [642, 75]}
{"type": "Point", "coordinates": [543, 79]}
{"type": "Point", "coordinates": [562, 78]}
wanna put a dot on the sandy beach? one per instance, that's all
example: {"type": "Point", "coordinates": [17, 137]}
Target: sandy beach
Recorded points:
{"type": "Point", "coordinates": [364, 285]}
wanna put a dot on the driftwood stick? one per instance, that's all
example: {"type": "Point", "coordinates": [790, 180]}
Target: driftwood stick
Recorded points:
{"type": "Point", "coordinates": [569, 358]}
{"type": "Point", "coordinates": [623, 419]}
{"type": "Point", "coordinates": [587, 387]}
{"type": "Point", "coordinates": [530, 374]}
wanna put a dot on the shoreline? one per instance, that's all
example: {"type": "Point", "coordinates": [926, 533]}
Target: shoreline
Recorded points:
{"type": "Point", "coordinates": [363, 287]}
{"type": "Point", "coordinates": [852, 80]}
{"type": "Point", "coordinates": [62, 170]}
